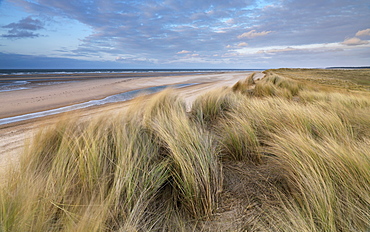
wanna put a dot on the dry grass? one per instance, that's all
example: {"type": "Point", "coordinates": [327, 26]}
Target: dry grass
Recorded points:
{"type": "Point", "coordinates": [135, 172]}
{"type": "Point", "coordinates": [271, 155]}
{"type": "Point", "coordinates": [207, 109]}
{"type": "Point", "coordinates": [244, 86]}
{"type": "Point", "coordinates": [356, 79]}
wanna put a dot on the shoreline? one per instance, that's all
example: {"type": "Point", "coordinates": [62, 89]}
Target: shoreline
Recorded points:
{"type": "Point", "coordinates": [79, 88]}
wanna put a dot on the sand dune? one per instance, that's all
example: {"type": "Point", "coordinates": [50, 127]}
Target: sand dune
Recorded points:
{"type": "Point", "coordinates": [14, 135]}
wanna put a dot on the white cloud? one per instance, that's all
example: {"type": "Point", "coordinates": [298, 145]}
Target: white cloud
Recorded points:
{"type": "Point", "coordinates": [363, 32]}
{"type": "Point", "coordinates": [253, 34]}
{"type": "Point", "coordinates": [243, 44]}
{"type": "Point", "coordinates": [354, 41]}
{"type": "Point", "coordinates": [135, 59]}
{"type": "Point", "coordinates": [231, 54]}
{"type": "Point", "coordinates": [183, 52]}
{"type": "Point", "coordinates": [315, 48]}
{"type": "Point", "coordinates": [277, 50]}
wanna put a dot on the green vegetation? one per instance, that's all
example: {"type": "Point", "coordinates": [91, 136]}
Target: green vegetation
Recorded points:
{"type": "Point", "coordinates": [272, 155]}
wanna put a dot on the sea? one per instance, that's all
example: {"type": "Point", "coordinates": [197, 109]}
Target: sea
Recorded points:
{"type": "Point", "coordinates": [81, 71]}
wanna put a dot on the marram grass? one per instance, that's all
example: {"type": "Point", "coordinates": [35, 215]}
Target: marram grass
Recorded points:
{"type": "Point", "coordinates": [267, 155]}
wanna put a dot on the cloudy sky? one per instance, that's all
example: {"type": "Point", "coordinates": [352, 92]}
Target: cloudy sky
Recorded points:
{"type": "Point", "coordinates": [184, 33]}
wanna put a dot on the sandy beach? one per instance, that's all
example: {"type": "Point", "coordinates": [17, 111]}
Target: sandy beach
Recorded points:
{"type": "Point", "coordinates": [81, 88]}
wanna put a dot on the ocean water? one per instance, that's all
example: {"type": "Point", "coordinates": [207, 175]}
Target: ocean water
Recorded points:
{"type": "Point", "coordinates": [14, 85]}
{"type": "Point", "coordinates": [81, 71]}
{"type": "Point", "coordinates": [6, 86]}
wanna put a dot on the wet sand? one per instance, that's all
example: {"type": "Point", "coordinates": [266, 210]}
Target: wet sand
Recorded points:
{"type": "Point", "coordinates": [85, 88]}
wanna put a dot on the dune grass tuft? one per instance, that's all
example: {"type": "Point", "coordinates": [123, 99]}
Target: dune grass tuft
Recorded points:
{"type": "Point", "coordinates": [278, 86]}
{"type": "Point", "coordinates": [244, 86]}
{"type": "Point", "coordinates": [207, 109]}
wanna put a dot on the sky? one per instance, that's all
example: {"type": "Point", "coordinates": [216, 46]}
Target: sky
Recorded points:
{"type": "Point", "coordinates": [126, 34]}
